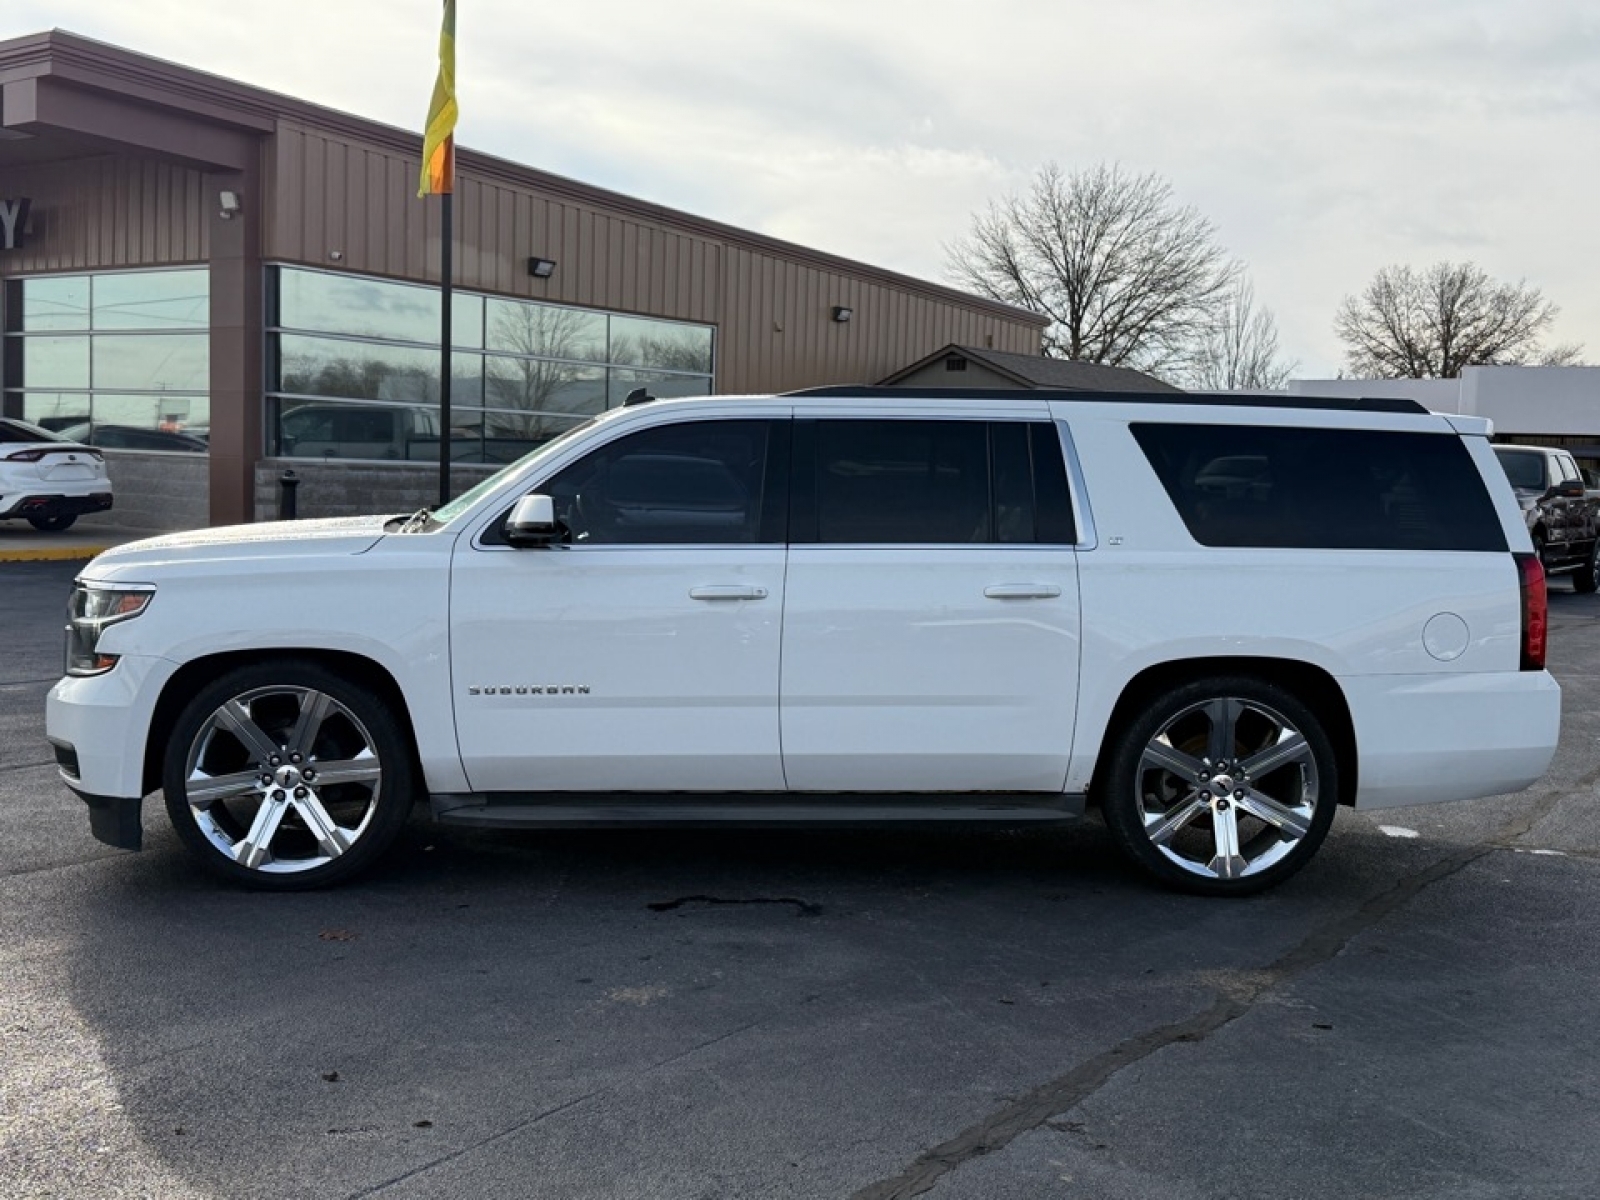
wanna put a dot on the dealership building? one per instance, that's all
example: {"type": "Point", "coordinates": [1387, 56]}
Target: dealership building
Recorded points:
{"type": "Point", "coordinates": [220, 283]}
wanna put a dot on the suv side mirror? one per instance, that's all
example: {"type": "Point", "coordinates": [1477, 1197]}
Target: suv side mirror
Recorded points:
{"type": "Point", "coordinates": [533, 522]}
{"type": "Point", "coordinates": [1569, 489]}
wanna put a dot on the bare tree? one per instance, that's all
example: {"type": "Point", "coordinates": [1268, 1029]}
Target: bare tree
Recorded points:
{"type": "Point", "coordinates": [1430, 324]}
{"type": "Point", "coordinates": [1126, 276]}
{"type": "Point", "coordinates": [1240, 349]}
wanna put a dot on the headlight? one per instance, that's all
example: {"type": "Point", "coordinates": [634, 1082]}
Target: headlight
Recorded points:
{"type": "Point", "coordinates": [89, 611]}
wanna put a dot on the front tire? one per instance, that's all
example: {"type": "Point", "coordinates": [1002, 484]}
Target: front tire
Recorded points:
{"type": "Point", "coordinates": [286, 776]}
{"type": "Point", "coordinates": [1222, 786]}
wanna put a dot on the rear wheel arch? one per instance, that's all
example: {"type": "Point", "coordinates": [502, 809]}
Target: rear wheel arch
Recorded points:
{"type": "Point", "coordinates": [1312, 685]}
{"type": "Point", "coordinates": [194, 675]}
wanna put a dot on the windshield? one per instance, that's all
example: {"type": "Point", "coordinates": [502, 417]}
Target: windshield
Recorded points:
{"type": "Point", "coordinates": [449, 512]}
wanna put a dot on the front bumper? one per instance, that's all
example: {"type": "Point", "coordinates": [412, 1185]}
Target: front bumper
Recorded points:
{"type": "Point", "coordinates": [99, 726]}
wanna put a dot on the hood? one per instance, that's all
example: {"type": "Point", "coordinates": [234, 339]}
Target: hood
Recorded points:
{"type": "Point", "coordinates": [272, 539]}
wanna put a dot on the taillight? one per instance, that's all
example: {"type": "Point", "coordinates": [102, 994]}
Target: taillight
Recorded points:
{"type": "Point", "coordinates": [1535, 611]}
{"type": "Point", "coordinates": [26, 455]}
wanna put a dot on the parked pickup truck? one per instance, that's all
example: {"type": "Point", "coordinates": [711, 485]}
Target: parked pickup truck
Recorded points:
{"type": "Point", "coordinates": [1562, 516]}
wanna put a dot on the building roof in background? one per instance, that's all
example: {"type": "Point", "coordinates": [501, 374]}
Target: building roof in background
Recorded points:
{"type": "Point", "coordinates": [1036, 371]}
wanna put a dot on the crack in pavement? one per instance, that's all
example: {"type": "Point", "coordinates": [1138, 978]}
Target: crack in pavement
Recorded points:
{"type": "Point", "coordinates": [501, 1135]}
{"type": "Point", "coordinates": [1060, 1095]}
{"type": "Point", "coordinates": [1036, 1107]}
{"type": "Point", "coordinates": [464, 1150]}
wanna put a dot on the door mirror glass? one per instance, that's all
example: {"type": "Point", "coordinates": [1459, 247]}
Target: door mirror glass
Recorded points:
{"type": "Point", "coordinates": [533, 522]}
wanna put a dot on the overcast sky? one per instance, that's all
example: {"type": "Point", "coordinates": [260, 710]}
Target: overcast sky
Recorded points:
{"type": "Point", "coordinates": [1324, 141]}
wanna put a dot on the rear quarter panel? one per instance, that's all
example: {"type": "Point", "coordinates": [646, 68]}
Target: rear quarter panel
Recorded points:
{"type": "Point", "coordinates": [1152, 595]}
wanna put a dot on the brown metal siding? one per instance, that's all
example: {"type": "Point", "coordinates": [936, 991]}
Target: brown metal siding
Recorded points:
{"type": "Point", "coordinates": [108, 212]}
{"type": "Point", "coordinates": [778, 330]}
{"type": "Point", "coordinates": [331, 196]}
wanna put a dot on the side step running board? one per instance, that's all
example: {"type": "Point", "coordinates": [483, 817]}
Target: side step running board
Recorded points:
{"type": "Point", "coordinates": [579, 810]}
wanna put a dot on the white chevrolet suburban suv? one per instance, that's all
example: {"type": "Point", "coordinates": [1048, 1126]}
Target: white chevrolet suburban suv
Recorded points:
{"type": "Point", "coordinates": [1215, 618]}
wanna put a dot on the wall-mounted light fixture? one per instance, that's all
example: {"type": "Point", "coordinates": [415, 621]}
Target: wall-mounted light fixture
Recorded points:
{"type": "Point", "coordinates": [227, 204]}
{"type": "Point", "coordinates": [541, 268]}
{"type": "Point", "coordinates": [842, 314]}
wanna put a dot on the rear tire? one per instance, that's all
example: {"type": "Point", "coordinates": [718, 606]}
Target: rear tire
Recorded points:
{"type": "Point", "coordinates": [286, 776]}
{"type": "Point", "coordinates": [53, 524]}
{"type": "Point", "coordinates": [1222, 786]}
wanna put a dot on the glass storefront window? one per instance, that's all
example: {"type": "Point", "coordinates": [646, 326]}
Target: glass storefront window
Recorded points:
{"type": "Point", "coordinates": [133, 370]}
{"type": "Point", "coordinates": [545, 331]}
{"type": "Point", "coordinates": [161, 301]}
{"type": "Point", "coordinates": [53, 410]}
{"type": "Point", "coordinates": [151, 362]}
{"type": "Point", "coordinates": [341, 343]}
{"type": "Point", "coordinates": [55, 362]}
{"type": "Point", "coordinates": [531, 384]}
{"type": "Point", "coordinates": [374, 308]}
{"type": "Point", "coordinates": [665, 345]}
{"type": "Point", "coordinates": [171, 413]}
{"type": "Point", "coordinates": [55, 302]}
{"type": "Point", "coordinates": [351, 370]}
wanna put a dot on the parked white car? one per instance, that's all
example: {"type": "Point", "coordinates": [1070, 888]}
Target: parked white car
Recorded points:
{"type": "Point", "coordinates": [48, 480]}
{"type": "Point", "coordinates": [851, 606]}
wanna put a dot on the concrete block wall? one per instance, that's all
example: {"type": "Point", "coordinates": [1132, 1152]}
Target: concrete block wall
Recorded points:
{"type": "Point", "coordinates": [332, 489]}
{"type": "Point", "coordinates": [156, 492]}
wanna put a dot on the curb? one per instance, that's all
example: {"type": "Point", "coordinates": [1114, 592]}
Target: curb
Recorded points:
{"type": "Point", "coordinates": [50, 553]}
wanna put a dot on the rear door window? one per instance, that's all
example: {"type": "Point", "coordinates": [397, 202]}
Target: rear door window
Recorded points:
{"type": "Point", "coordinates": [1268, 486]}
{"type": "Point", "coordinates": [918, 482]}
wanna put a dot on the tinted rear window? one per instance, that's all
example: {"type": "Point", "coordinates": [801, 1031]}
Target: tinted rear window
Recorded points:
{"type": "Point", "coordinates": [1350, 489]}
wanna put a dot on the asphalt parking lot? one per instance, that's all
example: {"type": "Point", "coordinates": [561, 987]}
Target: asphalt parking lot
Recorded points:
{"type": "Point", "coordinates": [856, 1015]}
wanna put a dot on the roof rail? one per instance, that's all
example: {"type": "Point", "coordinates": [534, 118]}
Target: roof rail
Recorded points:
{"type": "Point", "coordinates": [1388, 404]}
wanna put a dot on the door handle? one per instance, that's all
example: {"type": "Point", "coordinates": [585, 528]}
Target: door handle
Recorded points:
{"type": "Point", "coordinates": [727, 591]}
{"type": "Point", "coordinates": [1022, 591]}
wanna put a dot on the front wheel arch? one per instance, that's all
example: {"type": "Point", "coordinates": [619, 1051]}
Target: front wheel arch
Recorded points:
{"type": "Point", "coordinates": [1314, 687]}
{"type": "Point", "coordinates": [193, 675]}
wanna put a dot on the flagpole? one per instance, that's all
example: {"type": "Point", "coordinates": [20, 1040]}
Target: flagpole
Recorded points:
{"type": "Point", "coordinates": [446, 270]}
{"type": "Point", "coordinates": [439, 179]}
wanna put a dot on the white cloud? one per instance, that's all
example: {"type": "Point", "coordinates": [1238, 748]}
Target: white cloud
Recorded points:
{"type": "Point", "coordinates": [1323, 141]}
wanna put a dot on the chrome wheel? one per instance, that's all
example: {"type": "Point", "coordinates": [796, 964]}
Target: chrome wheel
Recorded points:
{"type": "Point", "coordinates": [1227, 788]}
{"type": "Point", "coordinates": [283, 779]}
{"type": "Point", "coordinates": [287, 775]}
{"type": "Point", "coordinates": [1225, 785]}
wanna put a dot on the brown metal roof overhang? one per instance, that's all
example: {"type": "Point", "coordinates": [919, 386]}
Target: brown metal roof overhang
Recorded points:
{"type": "Point", "coordinates": [61, 96]}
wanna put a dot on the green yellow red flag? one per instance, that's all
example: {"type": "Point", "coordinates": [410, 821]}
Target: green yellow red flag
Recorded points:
{"type": "Point", "coordinates": [438, 141]}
